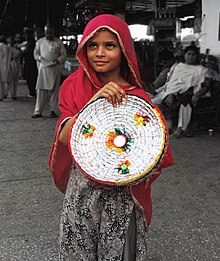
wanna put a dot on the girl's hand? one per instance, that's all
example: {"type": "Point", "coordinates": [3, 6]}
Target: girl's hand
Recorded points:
{"type": "Point", "coordinates": [112, 92]}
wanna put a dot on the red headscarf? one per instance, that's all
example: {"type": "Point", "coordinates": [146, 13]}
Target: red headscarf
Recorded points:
{"type": "Point", "coordinates": [80, 87]}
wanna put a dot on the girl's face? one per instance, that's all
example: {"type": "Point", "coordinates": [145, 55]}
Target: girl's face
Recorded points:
{"type": "Point", "coordinates": [190, 57]}
{"type": "Point", "coordinates": [104, 53]}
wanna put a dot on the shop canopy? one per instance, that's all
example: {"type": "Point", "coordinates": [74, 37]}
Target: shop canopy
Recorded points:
{"type": "Point", "coordinates": [16, 14]}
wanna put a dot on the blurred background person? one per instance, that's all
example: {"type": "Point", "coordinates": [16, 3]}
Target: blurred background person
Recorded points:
{"type": "Point", "coordinates": [185, 85]}
{"type": "Point", "coordinates": [30, 64]}
{"type": "Point", "coordinates": [15, 67]}
{"type": "Point", "coordinates": [5, 67]}
{"type": "Point", "coordinates": [18, 43]}
{"type": "Point", "coordinates": [50, 54]}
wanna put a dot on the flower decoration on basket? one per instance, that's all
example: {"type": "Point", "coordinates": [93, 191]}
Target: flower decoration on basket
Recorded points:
{"type": "Point", "coordinates": [140, 118]}
{"type": "Point", "coordinates": [88, 130]}
{"type": "Point", "coordinates": [123, 167]}
{"type": "Point", "coordinates": [119, 140]}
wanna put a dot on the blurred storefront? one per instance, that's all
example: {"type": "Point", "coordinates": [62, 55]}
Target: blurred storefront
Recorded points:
{"type": "Point", "coordinates": [210, 29]}
{"type": "Point", "coordinates": [157, 44]}
{"type": "Point", "coordinates": [170, 23]}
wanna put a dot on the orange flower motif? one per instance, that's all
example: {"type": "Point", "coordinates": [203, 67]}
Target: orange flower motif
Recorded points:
{"type": "Point", "coordinates": [119, 140]}
{"type": "Point", "coordinates": [110, 142]}
{"type": "Point", "coordinates": [123, 167]}
{"type": "Point", "coordinates": [88, 130]}
{"type": "Point", "coordinates": [141, 119]}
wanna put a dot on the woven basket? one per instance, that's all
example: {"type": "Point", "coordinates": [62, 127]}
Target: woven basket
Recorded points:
{"type": "Point", "coordinates": [118, 145]}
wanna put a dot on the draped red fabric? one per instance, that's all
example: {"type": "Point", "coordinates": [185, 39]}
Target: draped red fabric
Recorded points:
{"type": "Point", "coordinates": [80, 87]}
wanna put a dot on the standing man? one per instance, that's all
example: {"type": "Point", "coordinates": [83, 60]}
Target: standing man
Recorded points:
{"type": "Point", "coordinates": [50, 54]}
{"type": "Point", "coordinates": [5, 67]}
{"type": "Point", "coordinates": [30, 64]}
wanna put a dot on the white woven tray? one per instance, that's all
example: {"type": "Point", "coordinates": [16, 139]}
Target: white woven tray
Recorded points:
{"type": "Point", "coordinates": [118, 145]}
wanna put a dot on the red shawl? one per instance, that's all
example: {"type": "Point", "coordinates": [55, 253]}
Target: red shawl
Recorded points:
{"type": "Point", "coordinates": [79, 88]}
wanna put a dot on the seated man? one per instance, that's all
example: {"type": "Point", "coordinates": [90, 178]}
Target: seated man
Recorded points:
{"type": "Point", "coordinates": [184, 86]}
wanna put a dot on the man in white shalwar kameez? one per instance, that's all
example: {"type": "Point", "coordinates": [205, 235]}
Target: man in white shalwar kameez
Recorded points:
{"type": "Point", "coordinates": [5, 68]}
{"type": "Point", "coordinates": [50, 54]}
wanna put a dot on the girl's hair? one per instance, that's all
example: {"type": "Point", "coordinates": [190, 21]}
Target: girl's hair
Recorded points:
{"type": "Point", "coordinates": [124, 67]}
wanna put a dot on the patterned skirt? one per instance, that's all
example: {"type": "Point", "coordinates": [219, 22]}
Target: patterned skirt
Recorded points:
{"type": "Point", "coordinates": [95, 222]}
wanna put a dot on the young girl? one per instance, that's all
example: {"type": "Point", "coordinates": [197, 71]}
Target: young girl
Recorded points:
{"type": "Point", "coordinates": [99, 223]}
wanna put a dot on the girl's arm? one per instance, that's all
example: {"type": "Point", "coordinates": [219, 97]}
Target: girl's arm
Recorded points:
{"type": "Point", "coordinates": [64, 133]}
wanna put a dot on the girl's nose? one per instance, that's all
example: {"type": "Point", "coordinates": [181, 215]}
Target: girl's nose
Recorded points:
{"type": "Point", "coordinates": [100, 51]}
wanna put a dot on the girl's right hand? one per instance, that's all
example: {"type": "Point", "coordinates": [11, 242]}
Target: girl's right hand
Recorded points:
{"type": "Point", "coordinates": [112, 92]}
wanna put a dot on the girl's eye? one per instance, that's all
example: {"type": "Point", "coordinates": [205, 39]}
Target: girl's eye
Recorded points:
{"type": "Point", "coordinates": [110, 45]}
{"type": "Point", "coordinates": [92, 45]}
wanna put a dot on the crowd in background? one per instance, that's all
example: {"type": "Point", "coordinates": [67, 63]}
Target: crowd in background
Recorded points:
{"type": "Point", "coordinates": [35, 60]}
{"type": "Point", "coordinates": [186, 77]}
{"type": "Point", "coordinates": [17, 62]}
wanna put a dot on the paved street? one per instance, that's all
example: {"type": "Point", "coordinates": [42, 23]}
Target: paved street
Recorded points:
{"type": "Point", "coordinates": [186, 214]}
